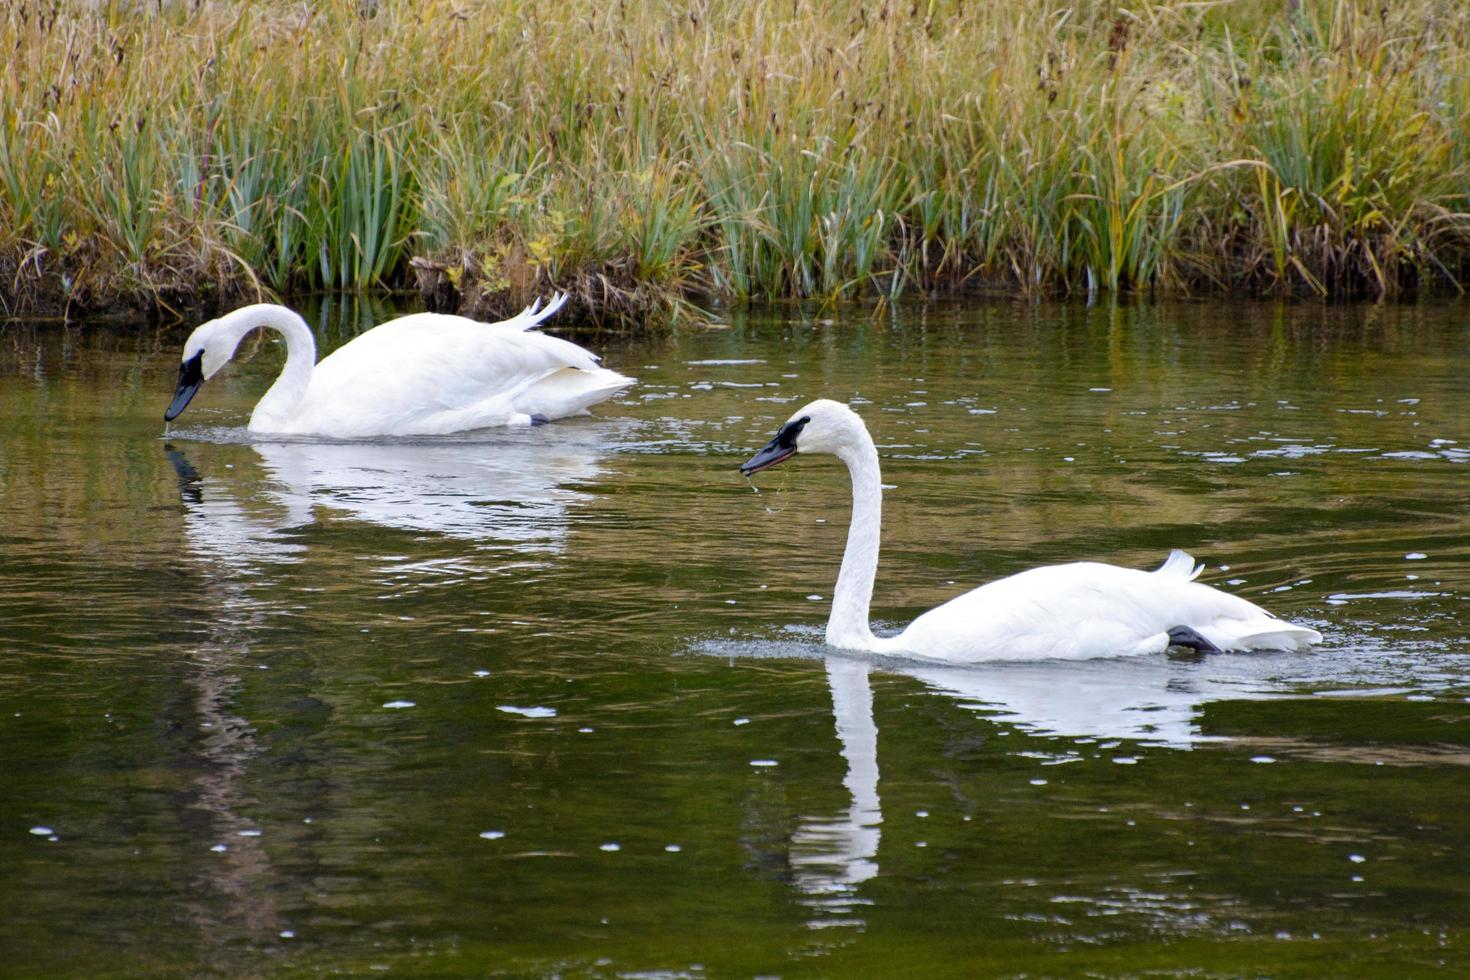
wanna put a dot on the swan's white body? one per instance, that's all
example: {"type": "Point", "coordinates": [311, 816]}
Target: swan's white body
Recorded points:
{"type": "Point", "coordinates": [422, 374]}
{"type": "Point", "coordinates": [1085, 609]}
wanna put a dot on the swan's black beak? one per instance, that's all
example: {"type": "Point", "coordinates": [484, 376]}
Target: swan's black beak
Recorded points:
{"type": "Point", "coordinates": [778, 449]}
{"type": "Point", "coordinates": [191, 376]}
{"type": "Point", "coordinates": [766, 458]}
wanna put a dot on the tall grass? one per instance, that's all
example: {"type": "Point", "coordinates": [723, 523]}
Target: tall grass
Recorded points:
{"type": "Point", "coordinates": [639, 152]}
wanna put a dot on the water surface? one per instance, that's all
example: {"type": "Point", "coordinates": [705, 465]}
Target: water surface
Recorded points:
{"type": "Point", "coordinates": [555, 701]}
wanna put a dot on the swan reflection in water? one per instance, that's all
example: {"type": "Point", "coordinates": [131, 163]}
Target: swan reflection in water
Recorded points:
{"type": "Point", "coordinates": [512, 491]}
{"type": "Point", "coordinates": [832, 856]}
{"type": "Point", "coordinates": [1151, 700]}
{"type": "Point", "coordinates": [1143, 700]}
{"type": "Point", "coordinates": [240, 521]}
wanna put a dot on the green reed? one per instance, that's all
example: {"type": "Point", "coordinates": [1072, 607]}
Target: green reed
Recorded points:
{"type": "Point", "coordinates": [637, 153]}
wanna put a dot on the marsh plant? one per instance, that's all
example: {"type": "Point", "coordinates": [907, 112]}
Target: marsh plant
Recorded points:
{"type": "Point", "coordinates": [640, 153]}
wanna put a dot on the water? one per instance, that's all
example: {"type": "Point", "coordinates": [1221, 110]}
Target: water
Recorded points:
{"type": "Point", "coordinates": [556, 702]}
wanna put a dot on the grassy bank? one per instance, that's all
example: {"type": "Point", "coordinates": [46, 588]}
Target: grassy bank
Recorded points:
{"type": "Point", "coordinates": [642, 152]}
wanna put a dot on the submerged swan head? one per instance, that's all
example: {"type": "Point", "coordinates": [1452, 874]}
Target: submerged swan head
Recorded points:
{"type": "Point", "coordinates": [822, 426]}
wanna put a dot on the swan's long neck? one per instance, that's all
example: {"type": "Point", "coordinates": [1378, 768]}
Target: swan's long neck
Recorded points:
{"type": "Point", "coordinates": [279, 403]}
{"type": "Point", "coordinates": [848, 625]}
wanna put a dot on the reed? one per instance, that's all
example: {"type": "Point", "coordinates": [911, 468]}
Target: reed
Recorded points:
{"type": "Point", "coordinates": [641, 153]}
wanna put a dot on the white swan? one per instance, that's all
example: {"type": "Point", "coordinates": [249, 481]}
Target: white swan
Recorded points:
{"type": "Point", "coordinates": [1085, 609]}
{"type": "Point", "coordinates": [422, 374]}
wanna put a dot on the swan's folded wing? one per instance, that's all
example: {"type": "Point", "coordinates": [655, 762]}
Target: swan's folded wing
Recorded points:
{"type": "Point", "coordinates": [1072, 611]}
{"type": "Point", "coordinates": [430, 373]}
{"type": "Point", "coordinates": [1087, 609]}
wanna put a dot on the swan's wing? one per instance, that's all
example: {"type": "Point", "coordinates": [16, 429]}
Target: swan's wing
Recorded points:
{"type": "Point", "coordinates": [431, 373]}
{"type": "Point", "coordinates": [1087, 609]}
{"type": "Point", "coordinates": [1057, 611]}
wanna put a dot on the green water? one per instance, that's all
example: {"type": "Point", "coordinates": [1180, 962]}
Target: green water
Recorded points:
{"type": "Point", "coordinates": [555, 701]}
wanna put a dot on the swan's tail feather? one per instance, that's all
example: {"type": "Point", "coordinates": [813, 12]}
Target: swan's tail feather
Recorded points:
{"type": "Point", "coordinates": [534, 314]}
{"type": "Point", "coordinates": [1180, 565]}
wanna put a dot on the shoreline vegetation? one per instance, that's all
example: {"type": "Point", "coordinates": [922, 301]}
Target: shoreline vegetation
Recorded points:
{"type": "Point", "coordinates": [646, 155]}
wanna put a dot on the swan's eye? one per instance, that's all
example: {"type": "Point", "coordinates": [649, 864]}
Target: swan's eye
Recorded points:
{"type": "Point", "coordinates": [786, 438]}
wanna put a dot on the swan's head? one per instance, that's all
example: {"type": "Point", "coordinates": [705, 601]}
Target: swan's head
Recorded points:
{"type": "Point", "coordinates": [208, 349]}
{"type": "Point", "coordinates": [822, 426]}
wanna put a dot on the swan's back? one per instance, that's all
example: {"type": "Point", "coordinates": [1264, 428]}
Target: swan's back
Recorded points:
{"type": "Point", "coordinates": [433, 373]}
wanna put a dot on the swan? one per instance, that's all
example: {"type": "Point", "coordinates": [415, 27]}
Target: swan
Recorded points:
{"type": "Point", "coordinates": [421, 374]}
{"type": "Point", "coordinates": [1073, 611]}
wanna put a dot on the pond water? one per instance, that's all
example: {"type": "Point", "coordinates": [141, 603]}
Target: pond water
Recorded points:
{"type": "Point", "coordinates": [556, 701]}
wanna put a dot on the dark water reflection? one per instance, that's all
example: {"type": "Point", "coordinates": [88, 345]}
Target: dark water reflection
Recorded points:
{"type": "Point", "coordinates": [556, 701]}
